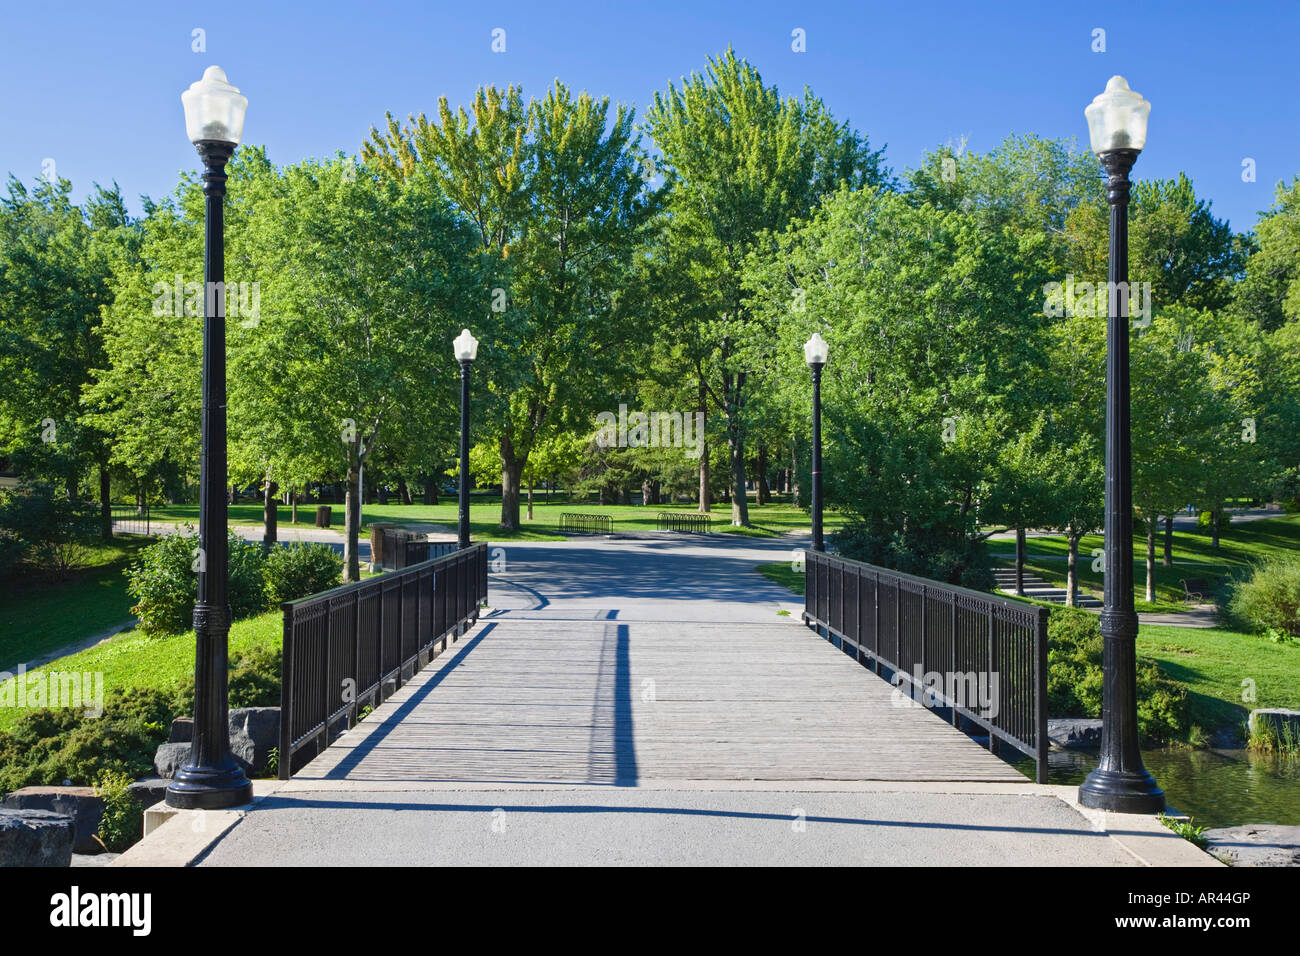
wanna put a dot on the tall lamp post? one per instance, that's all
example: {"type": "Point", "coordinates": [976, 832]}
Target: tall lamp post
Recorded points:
{"type": "Point", "coordinates": [815, 353]}
{"type": "Point", "coordinates": [211, 779]}
{"type": "Point", "coordinates": [466, 349]}
{"type": "Point", "coordinates": [1117, 126]}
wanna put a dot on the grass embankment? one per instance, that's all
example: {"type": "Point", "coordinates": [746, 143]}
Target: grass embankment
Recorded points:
{"type": "Point", "coordinates": [40, 614]}
{"type": "Point", "coordinates": [1217, 666]}
{"type": "Point", "coordinates": [1241, 545]}
{"type": "Point", "coordinates": [131, 659]}
{"type": "Point", "coordinates": [770, 520]}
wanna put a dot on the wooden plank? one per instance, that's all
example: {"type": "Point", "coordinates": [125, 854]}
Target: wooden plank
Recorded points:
{"type": "Point", "coordinates": [590, 701]}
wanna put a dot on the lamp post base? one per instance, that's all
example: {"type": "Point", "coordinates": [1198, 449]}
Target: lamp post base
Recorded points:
{"type": "Point", "coordinates": [209, 788]}
{"type": "Point", "coordinates": [1121, 791]}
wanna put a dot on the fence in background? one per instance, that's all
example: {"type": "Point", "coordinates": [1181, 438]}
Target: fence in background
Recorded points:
{"type": "Point", "coordinates": [572, 521]}
{"type": "Point", "coordinates": [130, 519]}
{"type": "Point", "coordinates": [684, 521]}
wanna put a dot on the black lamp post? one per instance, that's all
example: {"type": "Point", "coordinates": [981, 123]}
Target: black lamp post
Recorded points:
{"type": "Point", "coordinates": [466, 349]}
{"type": "Point", "coordinates": [815, 353]}
{"type": "Point", "coordinates": [212, 779]}
{"type": "Point", "coordinates": [1117, 123]}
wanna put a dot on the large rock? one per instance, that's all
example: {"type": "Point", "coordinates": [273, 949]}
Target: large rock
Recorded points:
{"type": "Point", "coordinates": [170, 758]}
{"type": "Point", "coordinates": [1277, 718]}
{"type": "Point", "coordinates": [1256, 845]}
{"type": "Point", "coordinates": [1074, 733]}
{"type": "Point", "coordinates": [35, 838]}
{"type": "Point", "coordinates": [254, 733]}
{"type": "Point", "coordinates": [81, 804]}
{"type": "Point", "coordinates": [149, 791]}
{"type": "Point", "coordinates": [182, 731]}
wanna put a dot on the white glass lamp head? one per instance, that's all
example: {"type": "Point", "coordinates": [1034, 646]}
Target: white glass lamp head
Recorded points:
{"type": "Point", "coordinates": [815, 350]}
{"type": "Point", "coordinates": [214, 110]}
{"type": "Point", "coordinates": [1117, 118]}
{"type": "Point", "coordinates": [466, 346]}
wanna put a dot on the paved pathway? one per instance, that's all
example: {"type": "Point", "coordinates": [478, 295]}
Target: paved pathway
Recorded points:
{"type": "Point", "coordinates": [644, 701]}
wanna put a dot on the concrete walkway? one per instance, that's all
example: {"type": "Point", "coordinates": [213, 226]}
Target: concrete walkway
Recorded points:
{"type": "Point", "coordinates": [645, 702]}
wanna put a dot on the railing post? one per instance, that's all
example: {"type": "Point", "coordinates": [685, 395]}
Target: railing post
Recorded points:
{"type": "Point", "coordinates": [286, 696]}
{"type": "Point", "coordinates": [953, 598]}
{"type": "Point", "coordinates": [1040, 693]}
{"type": "Point", "coordinates": [993, 669]}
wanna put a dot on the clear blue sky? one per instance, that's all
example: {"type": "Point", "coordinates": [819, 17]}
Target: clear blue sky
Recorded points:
{"type": "Point", "coordinates": [96, 86]}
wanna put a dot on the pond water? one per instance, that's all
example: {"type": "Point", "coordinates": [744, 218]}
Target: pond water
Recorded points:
{"type": "Point", "coordinates": [1217, 788]}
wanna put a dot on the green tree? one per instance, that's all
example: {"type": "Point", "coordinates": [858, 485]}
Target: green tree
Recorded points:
{"type": "Point", "coordinates": [555, 195]}
{"type": "Point", "coordinates": [741, 163]}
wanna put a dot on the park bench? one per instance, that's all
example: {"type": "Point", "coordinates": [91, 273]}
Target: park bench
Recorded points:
{"type": "Point", "coordinates": [1195, 590]}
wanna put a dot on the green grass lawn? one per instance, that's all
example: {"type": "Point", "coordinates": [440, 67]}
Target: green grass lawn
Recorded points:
{"type": "Point", "coordinates": [1214, 664]}
{"type": "Point", "coordinates": [781, 573]}
{"type": "Point", "coordinates": [131, 659]}
{"type": "Point", "coordinates": [1240, 546]}
{"type": "Point", "coordinates": [39, 615]}
{"type": "Point", "coordinates": [769, 520]}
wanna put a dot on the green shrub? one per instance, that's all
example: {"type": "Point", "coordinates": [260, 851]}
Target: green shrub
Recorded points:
{"type": "Point", "coordinates": [80, 749]}
{"type": "Point", "coordinates": [1075, 678]}
{"type": "Point", "coordinates": [123, 821]}
{"type": "Point", "coordinates": [165, 585]}
{"type": "Point", "coordinates": [41, 528]}
{"type": "Point", "coordinates": [299, 570]}
{"type": "Point", "coordinates": [255, 678]}
{"type": "Point", "coordinates": [1269, 601]}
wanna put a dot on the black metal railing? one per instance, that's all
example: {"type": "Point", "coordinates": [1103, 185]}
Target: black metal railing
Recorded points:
{"type": "Point", "coordinates": [576, 522]}
{"type": "Point", "coordinates": [130, 519]}
{"type": "Point", "coordinates": [684, 521]}
{"type": "Point", "coordinates": [981, 656]}
{"type": "Point", "coordinates": [358, 643]}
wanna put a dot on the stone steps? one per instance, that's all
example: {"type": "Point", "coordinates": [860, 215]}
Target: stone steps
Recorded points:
{"type": "Point", "coordinates": [1037, 588]}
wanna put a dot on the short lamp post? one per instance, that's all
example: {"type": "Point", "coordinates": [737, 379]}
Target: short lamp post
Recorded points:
{"type": "Point", "coordinates": [466, 349]}
{"type": "Point", "coordinates": [815, 353]}
{"type": "Point", "coordinates": [212, 779]}
{"type": "Point", "coordinates": [1117, 125]}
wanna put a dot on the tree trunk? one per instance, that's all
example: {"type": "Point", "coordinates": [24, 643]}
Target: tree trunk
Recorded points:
{"type": "Point", "coordinates": [352, 518]}
{"type": "Point", "coordinates": [293, 506]}
{"type": "Point", "coordinates": [1169, 541]}
{"type": "Point", "coordinates": [270, 515]}
{"type": "Point", "coordinates": [1151, 558]}
{"type": "Point", "coordinates": [105, 502]}
{"type": "Point", "coordinates": [764, 491]}
{"type": "Point", "coordinates": [431, 490]}
{"type": "Point", "coordinates": [739, 497]}
{"type": "Point", "coordinates": [530, 499]}
{"type": "Point", "coordinates": [794, 474]}
{"type": "Point", "coordinates": [512, 469]}
{"type": "Point", "coordinates": [706, 496]}
{"type": "Point", "coordinates": [1020, 562]}
{"type": "Point", "coordinates": [625, 495]}
{"type": "Point", "coordinates": [381, 491]}
{"type": "Point", "coordinates": [1214, 525]}
{"type": "Point", "coordinates": [1072, 573]}
{"type": "Point", "coordinates": [403, 492]}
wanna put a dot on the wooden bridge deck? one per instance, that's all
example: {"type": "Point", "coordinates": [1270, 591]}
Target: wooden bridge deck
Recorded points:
{"type": "Point", "coordinates": [561, 689]}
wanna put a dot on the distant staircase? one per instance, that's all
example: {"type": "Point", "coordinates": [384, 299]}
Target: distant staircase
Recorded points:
{"type": "Point", "coordinates": [1037, 588]}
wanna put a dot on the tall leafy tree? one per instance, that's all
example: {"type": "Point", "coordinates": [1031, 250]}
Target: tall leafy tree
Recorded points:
{"type": "Point", "coordinates": [554, 193]}
{"type": "Point", "coordinates": [741, 163]}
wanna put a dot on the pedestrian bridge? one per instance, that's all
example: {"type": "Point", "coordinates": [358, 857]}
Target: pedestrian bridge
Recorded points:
{"type": "Point", "coordinates": [616, 663]}
{"type": "Point", "coordinates": [644, 701]}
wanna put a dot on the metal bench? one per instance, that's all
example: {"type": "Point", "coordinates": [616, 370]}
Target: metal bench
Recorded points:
{"type": "Point", "coordinates": [1195, 590]}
